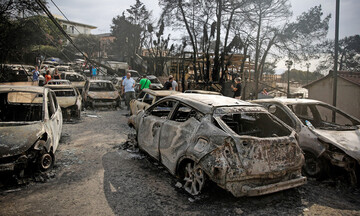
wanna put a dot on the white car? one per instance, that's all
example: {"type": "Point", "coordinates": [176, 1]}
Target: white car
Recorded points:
{"type": "Point", "coordinates": [30, 128]}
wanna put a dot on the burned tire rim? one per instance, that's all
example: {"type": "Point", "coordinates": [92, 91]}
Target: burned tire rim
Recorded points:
{"type": "Point", "coordinates": [194, 179]}
{"type": "Point", "coordinates": [312, 166]}
{"type": "Point", "coordinates": [46, 161]}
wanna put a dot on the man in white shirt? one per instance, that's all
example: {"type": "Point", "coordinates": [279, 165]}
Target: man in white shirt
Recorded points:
{"type": "Point", "coordinates": [174, 84]}
{"type": "Point", "coordinates": [128, 86]}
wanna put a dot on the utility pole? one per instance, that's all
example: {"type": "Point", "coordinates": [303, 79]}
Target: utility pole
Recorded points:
{"type": "Point", "coordinates": [288, 63]}
{"type": "Point", "coordinates": [336, 55]}
{"type": "Point", "coordinates": [307, 72]}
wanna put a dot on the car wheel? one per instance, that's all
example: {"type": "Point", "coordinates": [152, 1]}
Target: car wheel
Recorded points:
{"type": "Point", "coordinates": [46, 160]}
{"type": "Point", "coordinates": [194, 179]}
{"type": "Point", "coordinates": [314, 167]}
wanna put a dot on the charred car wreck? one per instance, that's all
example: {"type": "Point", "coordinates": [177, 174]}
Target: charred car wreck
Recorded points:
{"type": "Point", "coordinates": [329, 137]}
{"type": "Point", "coordinates": [101, 93]}
{"type": "Point", "coordinates": [30, 128]}
{"type": "Point", "coordinates": [238, 145]}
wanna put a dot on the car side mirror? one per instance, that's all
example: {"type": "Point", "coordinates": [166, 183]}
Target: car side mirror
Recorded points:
{"type": "Point", "coordinates": [272, 109]}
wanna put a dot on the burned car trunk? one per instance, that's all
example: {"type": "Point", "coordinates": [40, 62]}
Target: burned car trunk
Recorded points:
{"type": "Point", "coordinates": [30, 128]}
{"type": "Point", "coordinates": [235, 144]}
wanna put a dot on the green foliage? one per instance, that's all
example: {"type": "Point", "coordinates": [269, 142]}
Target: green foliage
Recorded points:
{"type": "Point", "coordinates": [300, 76]}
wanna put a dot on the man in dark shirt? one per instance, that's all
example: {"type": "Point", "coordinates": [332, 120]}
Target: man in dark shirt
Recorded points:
{"type": "Point", "coordinates": [168, 84]}
{"type": "Point", "coordinates": [237, 88]}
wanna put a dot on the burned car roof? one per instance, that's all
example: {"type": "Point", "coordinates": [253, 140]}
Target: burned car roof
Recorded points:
{"type": "Point", "coordinates": [95, 81]}
{"type": "Point", "coordinates": [207, 103]}
{"type": "Point", "coordinates": [60, 86]}
{"type": "Point", "coordinates": [8, 88]}
{"type": "Point", "coordinates": [288, 101]}
{"type": "Point", "coordinates": [160, 93]}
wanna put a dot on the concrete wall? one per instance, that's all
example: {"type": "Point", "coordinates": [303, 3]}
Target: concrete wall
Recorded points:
{"type": "Point", "coordinates": [348, 96]}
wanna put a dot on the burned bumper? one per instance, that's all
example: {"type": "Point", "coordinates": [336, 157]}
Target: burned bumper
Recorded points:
{"type": "Point", "coordinates": [239, 189]}
{"type": "Point", "coordinates": [13, 163]}
{"type": "Point", "coordinates": [104, 102]}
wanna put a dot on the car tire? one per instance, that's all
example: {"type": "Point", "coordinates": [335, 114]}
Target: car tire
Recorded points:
{"type": "Point", "coordinates": [315, 167]}
{"type": "Point", "coordinates": [194, 179]}
{"type": "Point", "coordinates": [45, 160]}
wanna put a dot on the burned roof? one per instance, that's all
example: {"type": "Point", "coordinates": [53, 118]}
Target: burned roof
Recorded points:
{"type": "Point", "coordinates": [160, 93]}
{"type": "Point", "coordinates": [203, 92]}
{"type": "Point", "coordinates": [60, 86]}
{"type": "Point", "coordinates": [9, 88]}
{"type": "Point", "coordinates": [207, 103]}
{"type": "Point", "coordinates": [97, 81]}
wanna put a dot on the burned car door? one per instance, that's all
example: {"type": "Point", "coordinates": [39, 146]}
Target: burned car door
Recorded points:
{"type": "Point", "coordinates": [54, 122]}
{"type": "Point", "coordinates": [150, 126]}
{"type": "Point", "coordinates": [177, 134]}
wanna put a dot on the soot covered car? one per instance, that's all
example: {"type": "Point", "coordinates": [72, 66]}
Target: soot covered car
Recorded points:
{"type": "Point", "coordinates": [30, 128]}
{"type": "Point", "coordinates": [238, 145]}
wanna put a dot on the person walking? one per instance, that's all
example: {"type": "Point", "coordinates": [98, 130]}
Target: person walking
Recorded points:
{"type": "Point", "coordinates": [168, 84]}
{"type": "Point", "coordinates": [237, 88]}
{"type": "Point", "coordinates": [128, 87]}
{"type": "Point", "coordinates": [56, 74]}
{"type": "Point", "coordinates": [47, 77]}
{"type": "Point", "coordinates": [36, 74]}
{"type": "Point", "coordinates": [174, 84]}
{"type": "Point", "coordinates": [144, 83]}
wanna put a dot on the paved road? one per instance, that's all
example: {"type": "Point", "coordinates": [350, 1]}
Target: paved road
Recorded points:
{"type": "Point", "coordinates": [95, 177]}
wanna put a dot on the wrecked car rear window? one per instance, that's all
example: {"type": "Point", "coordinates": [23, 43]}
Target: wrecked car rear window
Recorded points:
{"type": "Point", "coordinates": [251, 121]}
{"type": "Point", "coordinates": [20, 106]}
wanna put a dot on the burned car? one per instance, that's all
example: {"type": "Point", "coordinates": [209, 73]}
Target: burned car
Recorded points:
{"type": "Point", "coordinates": [238, 145]}
{"type": "Point", "coordinates": [76, 79]}
{"type": "Point", "coordinates": [148, 97]}
{"type": "Point", "coordinates": [155, 83]}
{"type": "Point", "coordinates": [69, 99]}
{"type": "Point", "coordinates": [30, 128]}
{"type": "Point", "coordinates": [101, 93]}
{"type": "Point", "coordinates": [326, 134]}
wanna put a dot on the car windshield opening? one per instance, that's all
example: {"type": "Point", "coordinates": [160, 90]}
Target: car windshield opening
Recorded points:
{"type": "Point", "coordinates": [20, 106]}
{"type": "Point", "coordinates": [65, 93]}
{"type": "Point", "coordinates": [255, 124]}
{"type": "Point", "coordinates": [322, 116]}
{"type": "Point", "coordinates": [101, 87]}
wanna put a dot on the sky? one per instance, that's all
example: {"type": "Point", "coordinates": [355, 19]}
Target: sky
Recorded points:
{"type": "Point", "coordinates": [100, 13]}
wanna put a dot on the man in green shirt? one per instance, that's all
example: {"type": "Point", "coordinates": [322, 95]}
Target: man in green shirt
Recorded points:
{"type": "Point", "coordinates": [144, 83]}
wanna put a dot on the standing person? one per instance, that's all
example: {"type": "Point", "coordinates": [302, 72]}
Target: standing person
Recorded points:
{"type": "Point", "coordinates": [36, 74]}
{"type": "Point", "coordinates": [145, 83]}
{"type": "Point", "coordinates": [168, 84]}
{"type": "Point", "coordinates": [174, 84]}
{"type": "Point", "coordinates": [94, 72]}
{"type": "Point", "coordinates": [128, 86]}
{"type": "Point", "coordinates": [237, 88]}
{"type": "Point", "coordinates": [56, 74]}
{"type": "Point", "coordinates": [47, 76]}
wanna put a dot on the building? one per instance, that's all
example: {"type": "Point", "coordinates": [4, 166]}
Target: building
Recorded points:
{"type": "Point", "coordinates": [106, 41]}
{"type": "Point", "coordinates": [348, 91]}
{"type": "Point", "coordinates": [74, 28]}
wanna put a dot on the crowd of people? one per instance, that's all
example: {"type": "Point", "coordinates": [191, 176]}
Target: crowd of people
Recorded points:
{"type": "Point", "coordinates": [46, 74]}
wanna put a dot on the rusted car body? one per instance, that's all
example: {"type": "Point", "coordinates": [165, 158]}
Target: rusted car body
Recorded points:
{"type": "Point", "coordinates": [101, 93]}
{"type": "Point", "coordinates": [76, 79]}
{"type": "Point", "coordinates": [30, 127]}
{"type": "Point", "coordinates": [147, 97]}
{"type": "Point", "coordinates": [236, 144]}
{"type": "Point", "coordinates": [321, 137]}
{"type": "Point", "coordinates": [69, 99]}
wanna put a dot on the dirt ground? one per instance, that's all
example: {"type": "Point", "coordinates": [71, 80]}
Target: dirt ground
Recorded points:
{"type": "Point", "coordinates": [94, 176]}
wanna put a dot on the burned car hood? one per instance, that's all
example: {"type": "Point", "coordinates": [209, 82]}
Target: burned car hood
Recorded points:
{"type": "Point", "coordinates": [104, 95]}
{"type": "Point", "coordinates": [348, 141]}
{"type": "Point", "coordinates": [16, 138]}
